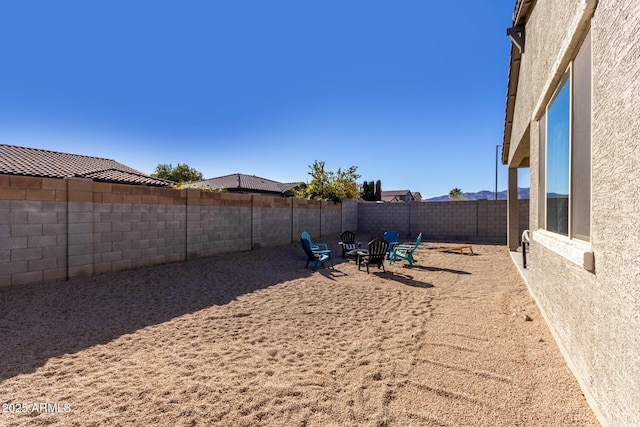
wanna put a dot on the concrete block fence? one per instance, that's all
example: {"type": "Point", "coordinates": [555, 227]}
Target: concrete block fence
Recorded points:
{"type": "Point", "coordinates": [57, 229]}
{"type": "Point", "coordinates": [469, 221]}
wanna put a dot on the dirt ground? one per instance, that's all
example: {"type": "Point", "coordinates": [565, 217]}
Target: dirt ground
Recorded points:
{"type": "Point", "coordinates": [255, 339]}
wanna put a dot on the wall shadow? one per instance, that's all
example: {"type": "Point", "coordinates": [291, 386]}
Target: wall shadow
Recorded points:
{"type": "Point", "coordinates": [42, 321]}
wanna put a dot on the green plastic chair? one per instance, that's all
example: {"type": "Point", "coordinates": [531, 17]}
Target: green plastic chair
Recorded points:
{"type": "Point", "coordinates": [405, 252]}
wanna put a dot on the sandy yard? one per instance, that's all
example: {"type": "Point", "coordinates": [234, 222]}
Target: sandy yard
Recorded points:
{"type": "Point", "coordinates": [254, 339]}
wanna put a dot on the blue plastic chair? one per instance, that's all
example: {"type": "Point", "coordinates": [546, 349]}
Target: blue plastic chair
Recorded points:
{"type": "Point", "coordinates": [405, 252]}
{"type": "Point", "coordinates": [392, 237]}
{"type": "Point", "coordinates": [318, 256]}
{"type": "Point", "coordinates": [316, 246]}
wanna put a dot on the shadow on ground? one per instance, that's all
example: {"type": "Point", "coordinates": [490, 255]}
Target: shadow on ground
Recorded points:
{"type": "Point", "coordinates": [39, 322]}
{"type": "Point", "coordinates": [428, 268]}
{"type": "Point", "coordinates": [405, 279]}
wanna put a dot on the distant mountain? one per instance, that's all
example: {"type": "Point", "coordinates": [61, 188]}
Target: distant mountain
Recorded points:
{"type": "Point", "coordinates": [523, 193]}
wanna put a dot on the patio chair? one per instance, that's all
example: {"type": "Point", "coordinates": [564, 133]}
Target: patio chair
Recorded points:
{"type": "Point", "coordinates": [348, 242]}
{"type": "Point", "coordinates": [314, 246]}
{"type": "Point", "coordinates": [318, 256]}
{"type": "Point", "coordinates": [392, 237]}
{"type": "Point", "coordinates": [375, 255]}
{"type": "Point", "coordinates": [405, 252]}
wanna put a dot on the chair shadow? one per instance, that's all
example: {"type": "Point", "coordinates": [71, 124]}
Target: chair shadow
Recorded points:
{"type": "Point", "coordinates": [445, 270]}
{"type": "Point", "coordinates": [451, 251]}
{"type": "Point", "coordinates": [405, 279]}
{"type": "Point", "coordinates": [331, 273]}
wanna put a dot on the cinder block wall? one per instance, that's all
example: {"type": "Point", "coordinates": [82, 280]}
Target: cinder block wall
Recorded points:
{"type": "Point", "coordinates": [33, 230]}
{"type": "Point", "coordinates": [476, 220]}
{"type": "Point", "coordinates": [306, 217]}
{"type": "Point", "coordinates": [376, 218]}
{"type": "Point", "coordinates": [219, 222]}
{"type": "Point", "coordinates": [133, 226]}
{"type": "Point", "coordinates": [331, 223]}
{"type": "Point", "coordinates": [272, 216]}
{"type": "Point", "coordinates": [55, 229]}
{"type": "Point", "coordinates": [523, 215]}
{"type": "Point", "coordinates": [349, 215]}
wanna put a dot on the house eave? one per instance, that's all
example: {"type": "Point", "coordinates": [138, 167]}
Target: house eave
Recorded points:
{"type": "Point", "coordinates": [521, 12]}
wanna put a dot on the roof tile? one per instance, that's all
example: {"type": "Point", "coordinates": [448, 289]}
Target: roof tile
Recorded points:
{"type": "Point", "coordinates": [240, 181]}
{"type": "Point", "coordinates": [15, 160]}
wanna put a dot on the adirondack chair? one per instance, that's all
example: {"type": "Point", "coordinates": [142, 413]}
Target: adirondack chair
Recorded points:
{"type": "Point", "coordinates": [314, 246]}
{"type": "Point", "coordinates": [405, 252]}
{"type": "Point", "coordinates": [391, 237]}
{"type": "Point", "coordinates": [318, 256]}
{"type": "Point", "coordinates": [348, 242]}
{"type": "Point", "coordinates": [375, 255]}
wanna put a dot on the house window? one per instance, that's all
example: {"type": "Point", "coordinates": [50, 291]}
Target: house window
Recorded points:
{"type": "Point", "coordinates": [558, 136]}
{"type": "Point", "coordinates": [565, 152]}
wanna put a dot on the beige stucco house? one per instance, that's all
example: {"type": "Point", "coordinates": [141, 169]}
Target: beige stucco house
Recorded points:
{"type": "Point", "coordinates": [573, 118]}
{"type": "Point", "coordinates": [395, 196]}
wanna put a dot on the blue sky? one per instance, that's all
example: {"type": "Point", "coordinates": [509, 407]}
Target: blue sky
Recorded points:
{"type": "Point", "coordinates": [411, 92]}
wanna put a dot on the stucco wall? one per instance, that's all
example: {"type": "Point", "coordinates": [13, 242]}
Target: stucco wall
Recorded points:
{"type": "Point", "coordinates": [616, 207]}
{"type": "Point", "coordinates": [594, 315]}
{"type": "Point", "coordinates": [547, 29]}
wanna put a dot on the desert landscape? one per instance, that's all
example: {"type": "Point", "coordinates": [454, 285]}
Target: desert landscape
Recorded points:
{"type": "Point", "coordinates": [255, 339]}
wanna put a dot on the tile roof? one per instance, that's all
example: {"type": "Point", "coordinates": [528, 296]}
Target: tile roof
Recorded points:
{"type": "Point", "coordinates": [394, 195]}
{"type": "Point", "coordinates": [25, 161]}
{"type": "Point", "coordinates": [238, 181]}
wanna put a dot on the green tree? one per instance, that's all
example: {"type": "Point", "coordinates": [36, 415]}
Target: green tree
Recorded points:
{"type": "Point", "coordinates": [345, 183]}
{"type": "Point", "coordinates": [368, 192]}
{"type": "Point", "coordinates": [372, 191]}
{"type": "Point", "coordinates": [456, 194]}
{"type": "Point", "coordinates": [328, 185]}
{"type": "Point", "coordinates": [181, 173]}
